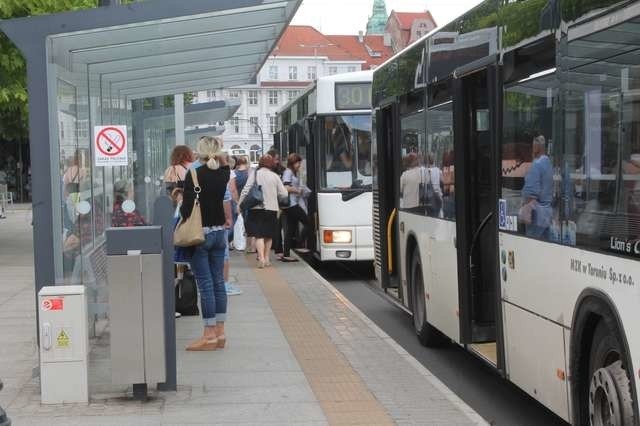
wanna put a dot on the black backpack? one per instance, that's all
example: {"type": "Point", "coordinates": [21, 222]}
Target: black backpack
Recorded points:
{"type": "Point", "coordinates": [187, 295]}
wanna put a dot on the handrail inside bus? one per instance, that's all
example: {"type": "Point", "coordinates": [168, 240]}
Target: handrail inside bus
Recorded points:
{"type": "Point", "coordinates": [390, 241]}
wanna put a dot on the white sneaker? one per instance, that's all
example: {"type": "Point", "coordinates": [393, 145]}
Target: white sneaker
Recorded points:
{"type": "Point", "coordinates": [178, 314]}
{"type": "Point", "coordinates": [232, 290]}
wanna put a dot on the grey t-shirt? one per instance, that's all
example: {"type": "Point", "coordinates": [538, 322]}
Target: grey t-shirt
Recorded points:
{"type": "Point", "coordinates": [290, 179]}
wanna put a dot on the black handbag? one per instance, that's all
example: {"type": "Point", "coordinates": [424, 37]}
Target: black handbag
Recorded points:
{"type": "Point", "coordinates": [284, 202]}
{"type": "Point", "coordinates": [255, 197]}
{"type": "Point", "coordinates": [187, 295]}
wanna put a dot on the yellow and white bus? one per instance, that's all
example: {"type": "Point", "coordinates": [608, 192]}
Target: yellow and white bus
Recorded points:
{"type": "Point", "coordinates": [330, 126]}
{"type": "Point", "coordinates": [506, 192]}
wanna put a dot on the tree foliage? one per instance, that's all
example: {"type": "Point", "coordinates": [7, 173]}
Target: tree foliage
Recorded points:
{"type": "Point", "coordinates": [13, 70]}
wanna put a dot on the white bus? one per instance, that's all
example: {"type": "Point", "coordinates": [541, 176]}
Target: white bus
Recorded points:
{"type": "Point", "coordinates": [506, 187]}
{"type": "Point", "coordinates": [330, 126]}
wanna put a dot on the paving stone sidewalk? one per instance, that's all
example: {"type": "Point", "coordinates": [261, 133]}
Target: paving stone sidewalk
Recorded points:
{"type": "Point", "coordinates": [298, 353]}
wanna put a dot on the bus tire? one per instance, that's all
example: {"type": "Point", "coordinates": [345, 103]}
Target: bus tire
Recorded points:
{"type": "Point", "coordinates": [610, 396]}
{"type": "Point", "coordinates": [427, 335]}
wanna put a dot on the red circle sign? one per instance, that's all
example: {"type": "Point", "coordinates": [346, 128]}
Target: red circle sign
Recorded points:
{"type": "Point", "coordinates": [110, 141]}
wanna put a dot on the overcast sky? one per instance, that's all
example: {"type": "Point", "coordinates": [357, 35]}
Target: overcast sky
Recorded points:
{"type": "Point", "coordinates": [350, 16]}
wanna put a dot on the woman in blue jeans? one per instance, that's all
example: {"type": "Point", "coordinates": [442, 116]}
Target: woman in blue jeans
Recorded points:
{"type": "Point", "coordinates": [207, 260]}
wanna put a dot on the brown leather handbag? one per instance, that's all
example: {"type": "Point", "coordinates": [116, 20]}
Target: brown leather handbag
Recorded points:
{"type": "Point", "coordinates": [189, 232]}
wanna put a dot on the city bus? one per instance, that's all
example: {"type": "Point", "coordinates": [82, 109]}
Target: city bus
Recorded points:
{"type": "Point", "coordinates": [329, 125]}
{"type": "Point", "coordinates": [506, 194]}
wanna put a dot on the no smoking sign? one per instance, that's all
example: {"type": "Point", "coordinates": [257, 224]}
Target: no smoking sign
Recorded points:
{"type": "Point", "coordinates": [110, 143]}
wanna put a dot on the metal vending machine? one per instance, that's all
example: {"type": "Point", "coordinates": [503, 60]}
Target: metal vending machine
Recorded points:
{"type": "Point", "coordinates": [64, 344]}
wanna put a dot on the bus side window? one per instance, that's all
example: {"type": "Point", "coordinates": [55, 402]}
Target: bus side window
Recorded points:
{"type": "Point", "coordinates": [531, 180]}
{"type": "Point", "coordinates": [603, 162]}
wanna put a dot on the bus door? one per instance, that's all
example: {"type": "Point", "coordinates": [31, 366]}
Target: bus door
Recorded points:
{"type": "Point", "coordinates": [386, 198]}
{"type": "Point", "coordinates": [476, 122]}
{"type": "Point", "coordinates": [307, 151]}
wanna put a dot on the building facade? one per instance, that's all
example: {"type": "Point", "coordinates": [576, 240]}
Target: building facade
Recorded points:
{"type": "Point", "coordinates": [302, 55]}
{"type": "Point", "coordinates": [404, 28]}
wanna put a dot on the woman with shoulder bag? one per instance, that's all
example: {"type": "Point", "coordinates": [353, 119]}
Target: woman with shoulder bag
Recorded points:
{"type": "Point", "coordinates": [264, 216]}
{"type": "Point", "coordinates": [207, 261]}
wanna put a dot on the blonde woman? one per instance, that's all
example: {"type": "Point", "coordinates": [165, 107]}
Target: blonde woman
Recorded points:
{"type": "Point", "coordinates": [207, 260]}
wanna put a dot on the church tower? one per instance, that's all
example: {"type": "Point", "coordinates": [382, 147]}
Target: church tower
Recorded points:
{"type": "Point", "coordinates": [378, 20]}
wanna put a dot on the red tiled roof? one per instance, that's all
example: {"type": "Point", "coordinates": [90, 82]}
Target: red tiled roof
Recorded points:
{"type": "Point", "coordinates": [406, 19]}
{"type": "Point", "coordinates": [302, 40]}
{"type": "Point", "coordinates": [358, 50]}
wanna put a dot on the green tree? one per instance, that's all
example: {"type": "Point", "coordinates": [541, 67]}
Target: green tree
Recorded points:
{"type": "Point", "coordinates": [13, 70]}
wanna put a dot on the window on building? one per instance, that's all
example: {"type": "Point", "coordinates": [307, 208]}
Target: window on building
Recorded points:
{"type": "Point", "coordinates": [419, 33]}
{"type": "Point", "coordinates": [253, 97]}
{"type": "Point", "coordinates": [273, 97]}
{"type": "Point", "coordinates": [211, 94]}
{"type": "Point", "coordinates": [273, 124]}
{"type": "Point", "coordinates": [312, 73]}
{"type": "Point", "coordinates": [351, 69]}
{"type": "Point", "coordinates": [333, 70]}
{"type": "Point", "coordinates": [273, 72]}
{"type": "Point", "coordinates": [234, 93]}
{"type": "Point", "coordinates": [235, 124]}
{"type": "Point", "coordinates": [254, 125]}
{"type": "Point", "coordinates": [293, 72]}
{"type": "Point", "coordinates": [293, 94]}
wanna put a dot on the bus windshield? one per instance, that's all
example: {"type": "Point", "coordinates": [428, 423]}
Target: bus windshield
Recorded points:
{"type": "Point", "coordinates": [345, 147]}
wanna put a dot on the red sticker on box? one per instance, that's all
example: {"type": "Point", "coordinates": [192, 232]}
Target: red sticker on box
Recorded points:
{"type": "Point", "coordinates": [53, 304]}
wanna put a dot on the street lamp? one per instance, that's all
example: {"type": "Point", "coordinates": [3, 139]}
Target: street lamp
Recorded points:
{"type": "Point", "coordinates": [259, 130]}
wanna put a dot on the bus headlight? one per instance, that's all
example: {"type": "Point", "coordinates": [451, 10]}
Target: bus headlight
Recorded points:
{"type": "Point", "coordinates": [338, 237]}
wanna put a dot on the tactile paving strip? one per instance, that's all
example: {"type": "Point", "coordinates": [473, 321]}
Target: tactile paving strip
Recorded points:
{"type": "Point", "coordinates": [343, 396]}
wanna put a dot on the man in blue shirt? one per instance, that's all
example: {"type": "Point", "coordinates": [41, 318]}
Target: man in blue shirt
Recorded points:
{"type": "Point", "coordinates": [537, 193]}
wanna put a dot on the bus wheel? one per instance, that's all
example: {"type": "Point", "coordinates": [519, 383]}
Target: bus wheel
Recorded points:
{"type": "Point", "coordinates": [610, 394]}
{"type": "Point", "coordinates": [427, 335]}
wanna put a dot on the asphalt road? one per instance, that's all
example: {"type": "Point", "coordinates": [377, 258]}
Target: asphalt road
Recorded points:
{"type": "Point", "coordinates": [493, 397]}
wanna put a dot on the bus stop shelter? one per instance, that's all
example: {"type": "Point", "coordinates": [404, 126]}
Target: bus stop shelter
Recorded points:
{"type": "Point", "coordinates": [101, 67]}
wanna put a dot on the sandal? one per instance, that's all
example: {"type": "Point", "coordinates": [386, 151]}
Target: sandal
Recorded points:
{"type": "Point", "coordinates": [203, 344]}
{"type": "Point", "coordinates": [288, 259]}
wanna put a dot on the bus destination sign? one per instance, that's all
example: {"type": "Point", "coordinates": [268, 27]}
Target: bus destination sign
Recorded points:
{"type": "Point", "coordinates": [350, 96]}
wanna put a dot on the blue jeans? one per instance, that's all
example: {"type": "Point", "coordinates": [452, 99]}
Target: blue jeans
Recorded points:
{"type": "Point", "coordinates": [207, 263]}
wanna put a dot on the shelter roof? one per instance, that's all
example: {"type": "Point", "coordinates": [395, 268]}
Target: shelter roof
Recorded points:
{"type": "Point", "coordinates": [160, 47]}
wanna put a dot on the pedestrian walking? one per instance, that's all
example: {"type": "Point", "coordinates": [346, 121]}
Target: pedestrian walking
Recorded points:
{"type": "Point", "coordinates": [207, 260]}
{"type": "Point", "coordinates": [294, 214]}
{"type": "Point", "coordinates": [264, 216]}
{"type": "Point", "coordinates": [236, 185]}
{"type": "Point", "coordinates": [279, 169]}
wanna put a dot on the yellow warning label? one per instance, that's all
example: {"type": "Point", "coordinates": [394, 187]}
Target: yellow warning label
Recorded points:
{"type": "Point", "coordinates": [63, 340]}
